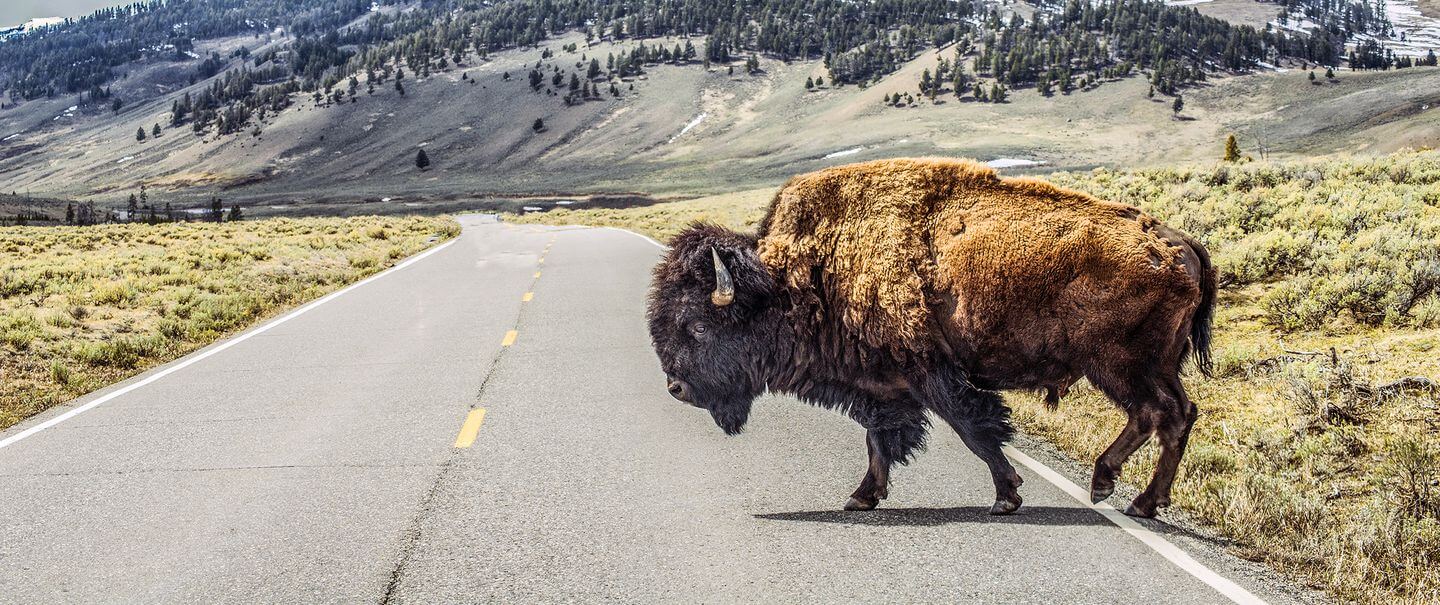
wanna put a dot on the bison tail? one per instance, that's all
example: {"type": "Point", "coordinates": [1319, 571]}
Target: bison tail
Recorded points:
{"type": "Point", "coordinates": [1205, 313]}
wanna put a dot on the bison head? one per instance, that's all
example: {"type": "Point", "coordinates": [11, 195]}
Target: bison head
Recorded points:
{"type": "Point", "coordinates": [713, 322]}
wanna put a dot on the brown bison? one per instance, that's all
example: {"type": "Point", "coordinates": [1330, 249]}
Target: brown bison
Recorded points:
{"type": "Point", "coordinates": [889, 288]}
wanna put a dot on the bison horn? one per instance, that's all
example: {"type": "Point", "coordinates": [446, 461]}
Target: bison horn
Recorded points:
{"type": "Point", "coordinates": [724, 293]}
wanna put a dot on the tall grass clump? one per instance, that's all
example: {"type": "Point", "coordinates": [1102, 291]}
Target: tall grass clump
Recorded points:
{"type": "Point", "coordinates": [82, 307]}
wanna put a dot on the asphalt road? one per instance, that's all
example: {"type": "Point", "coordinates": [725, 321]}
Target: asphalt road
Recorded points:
{"type": "Point", "coordinates": [327, 459]}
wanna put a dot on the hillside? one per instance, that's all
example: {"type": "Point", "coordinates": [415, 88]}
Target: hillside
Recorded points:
{"type": "Point", "coordinates": [748, 130]}
{"type": "Point", "coordinates": [337, 131]}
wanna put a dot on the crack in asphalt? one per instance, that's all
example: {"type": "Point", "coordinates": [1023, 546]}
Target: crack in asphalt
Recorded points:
{"type": "Point", "coordinates": [414, 529]}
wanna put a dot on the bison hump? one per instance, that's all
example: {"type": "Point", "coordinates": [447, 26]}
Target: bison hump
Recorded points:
{"type": "Point", "coordinates": [859, 237]}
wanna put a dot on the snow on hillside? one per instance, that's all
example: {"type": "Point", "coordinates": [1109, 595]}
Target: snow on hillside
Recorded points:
{"type": "Point", "coordinates": [1415, 34]}
{"type": "Point", "coordinates": [30, 25]}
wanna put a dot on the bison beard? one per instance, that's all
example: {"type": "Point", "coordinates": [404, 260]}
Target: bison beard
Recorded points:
{"type": "Point", "coordinates": [888, 289]}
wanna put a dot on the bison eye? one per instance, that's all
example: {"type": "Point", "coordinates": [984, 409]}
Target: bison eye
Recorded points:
{"type": "Point", "coordinates": [699, 328]}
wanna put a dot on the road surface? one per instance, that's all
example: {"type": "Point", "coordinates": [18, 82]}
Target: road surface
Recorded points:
{"type": "Point", "coordinates": [489, 424]}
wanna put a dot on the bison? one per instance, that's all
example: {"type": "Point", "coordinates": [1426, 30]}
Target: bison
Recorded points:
{"type": "Point", "coordinates": [891, 288]}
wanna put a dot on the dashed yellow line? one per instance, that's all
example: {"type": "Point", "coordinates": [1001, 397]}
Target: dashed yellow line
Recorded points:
{"type": "Point", "coordinates": [542, 260]}
{"type": "Point", "coordinates": [527, 297]}
{"type": "Point", "coordinates": [471, 428]}
{"type": "Point", "coordinates": [537, 275]}
{"type": "Point", "coordinates": [509, 338]}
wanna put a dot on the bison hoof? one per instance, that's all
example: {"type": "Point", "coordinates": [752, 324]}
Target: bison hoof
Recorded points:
{"type": "Point", "coordinates": [1140, 510]}
{"type": "Point", "coordinates": [1005, 507]}
{"type": "Point", "coordinates": [1099, 494]}
{"type": "Point", "coordinates": [855, 503]}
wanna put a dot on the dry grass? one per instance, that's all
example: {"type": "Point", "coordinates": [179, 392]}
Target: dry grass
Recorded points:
{"type": "Point", "coordinates": [1299, 457]}
{"type": "Point", "coordinates": [84, 307]}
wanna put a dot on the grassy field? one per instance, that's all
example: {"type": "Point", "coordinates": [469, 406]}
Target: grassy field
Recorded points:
{"type": "Point", "coordinates": [84, 307]}
{"type": "Point", "coordinates": [1313, 452]}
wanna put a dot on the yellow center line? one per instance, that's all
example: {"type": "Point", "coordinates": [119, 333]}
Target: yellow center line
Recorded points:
{"type": "Point", "coordinates": [466, 438]}
{"type": "Point", "coordinates": [542, 260]}
{"type": "Point", "coordinates": [509, 338]}
{"type": "Point", "coordinates": [537, 275]}
{"type": "Point", "coordinates": [527, 297]}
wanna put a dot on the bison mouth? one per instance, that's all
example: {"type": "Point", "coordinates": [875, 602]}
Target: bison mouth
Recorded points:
{"type": "Point", "coordinates": [730, 413]}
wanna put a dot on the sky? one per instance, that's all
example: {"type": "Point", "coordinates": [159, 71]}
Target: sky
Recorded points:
{"type": "Point", "coordinates": [15, 12]}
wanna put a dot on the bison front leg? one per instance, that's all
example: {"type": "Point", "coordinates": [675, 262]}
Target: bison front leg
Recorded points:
{"type": "Point", "coordinates": [885, 447]}
{"type": "Point", "coordinates": [982, 420]}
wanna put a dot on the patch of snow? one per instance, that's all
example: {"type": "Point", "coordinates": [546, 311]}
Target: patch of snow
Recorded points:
{"type": "Point", "coordinates": [1186, 2]}
{"type": "Point", "coordinates": [282, 207]}
{"type": "Point", "coordinates": [1012, 163]}
{"type": "Point", "coordinates": [192, 54]}
{"type": "Point", "coordinates": [531, 208]}
{"type": "Point", "coordinates": [124, 159]}
{"type": "Point", "coordinates": [9, 137]}
{"type": "Point", "coordinates": [843, 153]}
{"type": "Point", "coordinates": [564, 202]}
{"type": "Point", "coordinates": [693, 123]}
{"type": "Point", "coordinates": [384, 199]}
{"type": "Point", "coordinates": [1415, 33]}
{"type": "Point", "coordinates": [413, 204]}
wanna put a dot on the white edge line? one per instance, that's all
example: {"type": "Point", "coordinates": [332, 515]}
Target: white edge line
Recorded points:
{"type": "Point", "coordinates": [192, 358]}
{"type": "Point", "coordinates": [1160, 545]}
{"type": "Point", "coordinates": [641, 236]}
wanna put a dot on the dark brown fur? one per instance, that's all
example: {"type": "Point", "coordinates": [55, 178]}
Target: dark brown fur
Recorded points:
{"type": "Point", "coordinates": [888, 288]}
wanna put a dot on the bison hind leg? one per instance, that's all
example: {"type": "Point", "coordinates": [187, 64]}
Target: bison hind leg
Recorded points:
{"type": "Point", "coordinates": [1156, 404]}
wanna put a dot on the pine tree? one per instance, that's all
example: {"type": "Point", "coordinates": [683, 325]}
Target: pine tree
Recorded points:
{"type": "Point", "coordinates": [819, 81]}
{"type": "Point", "coordinates": [1330, 72]}
{"type": "Point", "coordinates": [422, 161]}
{"type": "Point", "coordinates": [235, 213]}
{"type": "Point", "coordinates": [1178, 105]}
{"type": "Point", "coordinates": [1312, 76]}
{"type": "Point", "coordinates": [217, 211]}
{"type": "Point", "coordinates": [140, 134]}
{"type": "Point", "coordinates": [809, 84]}
{"type": "Point", "coordinates": [69, 213]}
{"type": "Point", "coordinates": [155, 132]}
{"type": "Point", "coordinates": [1232, 149]}
{"type": "Point", "coordinates": [132, 208]}
{"type": "Point", "coordinates": [538, 126]}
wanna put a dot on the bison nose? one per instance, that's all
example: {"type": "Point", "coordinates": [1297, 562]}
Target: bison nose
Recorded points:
{"type": "Point", "coordinates": [679, 390]}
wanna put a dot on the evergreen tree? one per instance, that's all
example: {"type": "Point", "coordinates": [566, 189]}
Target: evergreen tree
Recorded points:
{"type": "Point", "coordinates": [235, 213]}
{"type": "Point", "coordinates": [140, 134]}
{"type": "Point", "coordinates": [217, 211]}
{"type": "Point", "coordinates": [1178, 105]}
{"type": "Point", "coordinates": [155, 132]}
{"type": "Point", "coordinates": [1232, 149]}
{"type": "Point", "coordinates": [809, 84]}
{"type": "Point", "coordinates": [69, 213]}
{"type": "Point", "coordinates": [132, 208]}
{"type": "Point", "coordinates": [538, 126]}
{"type": "Point", "coordinates": [422, 161]}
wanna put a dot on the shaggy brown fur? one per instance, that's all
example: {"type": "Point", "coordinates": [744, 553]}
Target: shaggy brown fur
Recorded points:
{"type": "Point", "coordinates": [893, 233]}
